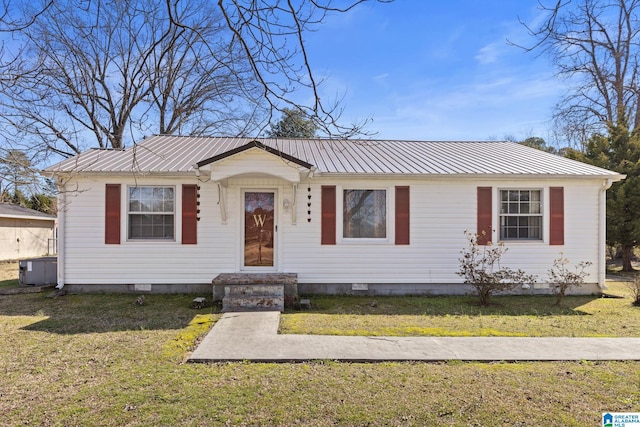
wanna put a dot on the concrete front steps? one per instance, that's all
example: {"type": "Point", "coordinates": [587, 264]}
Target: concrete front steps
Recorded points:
{"type": "Point", "coordinates": [253, 298]}
{"type": "Point", "coordinates": [255, 291]}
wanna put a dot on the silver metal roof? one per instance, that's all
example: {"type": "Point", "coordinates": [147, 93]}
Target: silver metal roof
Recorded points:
{"type": "Point", "coordinates": [178, 154]}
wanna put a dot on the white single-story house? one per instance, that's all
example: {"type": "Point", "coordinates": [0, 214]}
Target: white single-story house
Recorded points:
{"type": "Point", "coordinates": [25, 233]}
{"type": "Point", "coordinates": [346, 216]}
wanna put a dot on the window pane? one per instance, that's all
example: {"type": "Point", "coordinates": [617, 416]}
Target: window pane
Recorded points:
{"type": "Point", "coordinates": [168, 227]}
{"type": "Point", "coordinates": [520, 216]}
{"type": "Point", "coordinates": [535, 196]}
{"type": "Point", "coordinates": [365, 213]}
{"type": "Point", "coordinates": [535, 227]}
{"type": "Point", "coordinates": [158, 227]}
{"type": "Point", "coordinates": [151, 226]}
{"type": "Point", "coordinates": [134, 206]}
{"type": "Point", "coordinates": [146, 229]}
{"type": "Point", "coordinates": [146, 193]}
{"type": "Point", "coordinates": [151, 213]}
{"type": "Point", "coordinates": [535, 207]}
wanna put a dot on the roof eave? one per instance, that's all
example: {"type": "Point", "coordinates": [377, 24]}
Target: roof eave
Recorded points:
{"type": "Point", "coordinates": [29, 217]}
{"type": "Point", "coordinates": [613, 177]}
{"type": "Point", "coordinates": [176, 174]}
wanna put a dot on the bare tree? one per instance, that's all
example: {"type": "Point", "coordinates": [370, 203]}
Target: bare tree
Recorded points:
{"type": "Point", "coordinates": [595, 45]}
{"type": "Point", "coordinates": [9, 22]}
{"type": "Point", "coordinates": [204, 83]}
{"type": "Point", "coordinates": [102, 73]}
{"type": "Point", "coordinates": [271, 34]}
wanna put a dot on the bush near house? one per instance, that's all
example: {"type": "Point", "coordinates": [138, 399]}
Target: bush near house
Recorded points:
{"type": "Point", "coordinates": [562, 278]}
{"type": "Point", "coordinates": [480, 268]}
{"type": "Point", "coordinates": [634, 288]}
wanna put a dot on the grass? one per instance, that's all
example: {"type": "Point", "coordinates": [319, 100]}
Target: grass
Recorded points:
{"type": "Point", "coordinates": [102, 360]}
{"type": "Point", "coordinates": [578, 316]}
{"type": "Point", "coordinates": [8, 274]}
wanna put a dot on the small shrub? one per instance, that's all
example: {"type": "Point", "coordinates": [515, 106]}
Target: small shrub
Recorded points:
{"type": "Point", "coordinates": [634, 288]}
{"type": "Point", "coordinates": [481, 269]}
{"type": "Point", "coordinates": [562, 278]}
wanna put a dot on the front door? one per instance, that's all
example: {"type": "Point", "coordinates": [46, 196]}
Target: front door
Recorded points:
{"type": "Point", "coordinates": [259, 214]}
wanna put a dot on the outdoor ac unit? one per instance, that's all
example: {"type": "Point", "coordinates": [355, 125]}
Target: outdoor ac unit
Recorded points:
{"type": "Point", "coordinates": [38, 271]}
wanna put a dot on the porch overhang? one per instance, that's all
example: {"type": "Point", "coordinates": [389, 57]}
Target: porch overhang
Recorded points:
{"type": "Point", "coordinates": [254, 158]}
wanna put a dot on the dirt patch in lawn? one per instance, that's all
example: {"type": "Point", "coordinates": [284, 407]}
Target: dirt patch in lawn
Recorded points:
{"type": "Point", "coordinates": [8, 270]}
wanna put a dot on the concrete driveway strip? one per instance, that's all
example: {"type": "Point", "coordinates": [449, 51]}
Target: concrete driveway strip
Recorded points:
{"type": "Point", "coordinates": [254, 337]}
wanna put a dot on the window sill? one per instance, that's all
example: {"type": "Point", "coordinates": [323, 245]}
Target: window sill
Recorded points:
{"type": "Point", "coordinates": [364, 241]}
{"type": "Point", "coordinates": [150, 240]}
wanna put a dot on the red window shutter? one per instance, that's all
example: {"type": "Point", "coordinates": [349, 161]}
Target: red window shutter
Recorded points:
{"type": "Point", "coordinates": [556, 211]}
{"type": "Point", "coordinates": [485, 219]}
{"type": "Point", "coordinates": [189, 214]}
{"type": "Point", "coordinates": [402, 215]}
{"type": "Point", "coordinates": [112, 214]}
{"type": "Point", "coordinates": [328, 221]}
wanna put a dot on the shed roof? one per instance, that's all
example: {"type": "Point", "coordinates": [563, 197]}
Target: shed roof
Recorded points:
{"type": "Point", "coordinates": [164, 154]}
{"type": "Point", "coordinates": [8, 210]}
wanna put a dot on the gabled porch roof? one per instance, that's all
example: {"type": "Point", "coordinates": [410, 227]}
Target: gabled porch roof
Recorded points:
{"type": "Point", "coordinates": [249, 146]}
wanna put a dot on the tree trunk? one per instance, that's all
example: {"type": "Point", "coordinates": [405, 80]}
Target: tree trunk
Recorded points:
{"type": "Point", "coordinates": [627, 256]}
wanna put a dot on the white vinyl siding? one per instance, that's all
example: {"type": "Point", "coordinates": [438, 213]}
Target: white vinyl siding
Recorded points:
{"type": "Point", "coordinates": [441, 210]}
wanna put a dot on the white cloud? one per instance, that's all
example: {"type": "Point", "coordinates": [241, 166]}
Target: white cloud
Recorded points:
{"type": "Point", "coordinates": [492, 108]}
{"type": "Point", "coordinates": [488, 54]}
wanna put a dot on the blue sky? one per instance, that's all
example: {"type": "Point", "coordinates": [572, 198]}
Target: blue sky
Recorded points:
{"type": "Point", "coordinates": [438, 70]}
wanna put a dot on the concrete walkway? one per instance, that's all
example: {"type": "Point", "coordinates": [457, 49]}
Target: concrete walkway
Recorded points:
{"type": "Point", "coordinates": [254, 337]}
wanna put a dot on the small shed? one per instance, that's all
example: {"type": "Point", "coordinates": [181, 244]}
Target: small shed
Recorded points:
{"type": "Point", "coordinates": [25, 233]}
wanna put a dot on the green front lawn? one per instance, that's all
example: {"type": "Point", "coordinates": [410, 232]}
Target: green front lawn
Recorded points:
{"type": "Point", "coordinates": [577, 316]}
{"type": "Point", "coordinates": [102, 360]}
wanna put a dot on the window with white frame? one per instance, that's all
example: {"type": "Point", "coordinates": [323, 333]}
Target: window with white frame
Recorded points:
{"type": "Point", "coordinates": [151, 213]}
{"type": "Point", "coordinates": [364, 214]}
{"type": "Point", "coordinates": [520, 215]}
